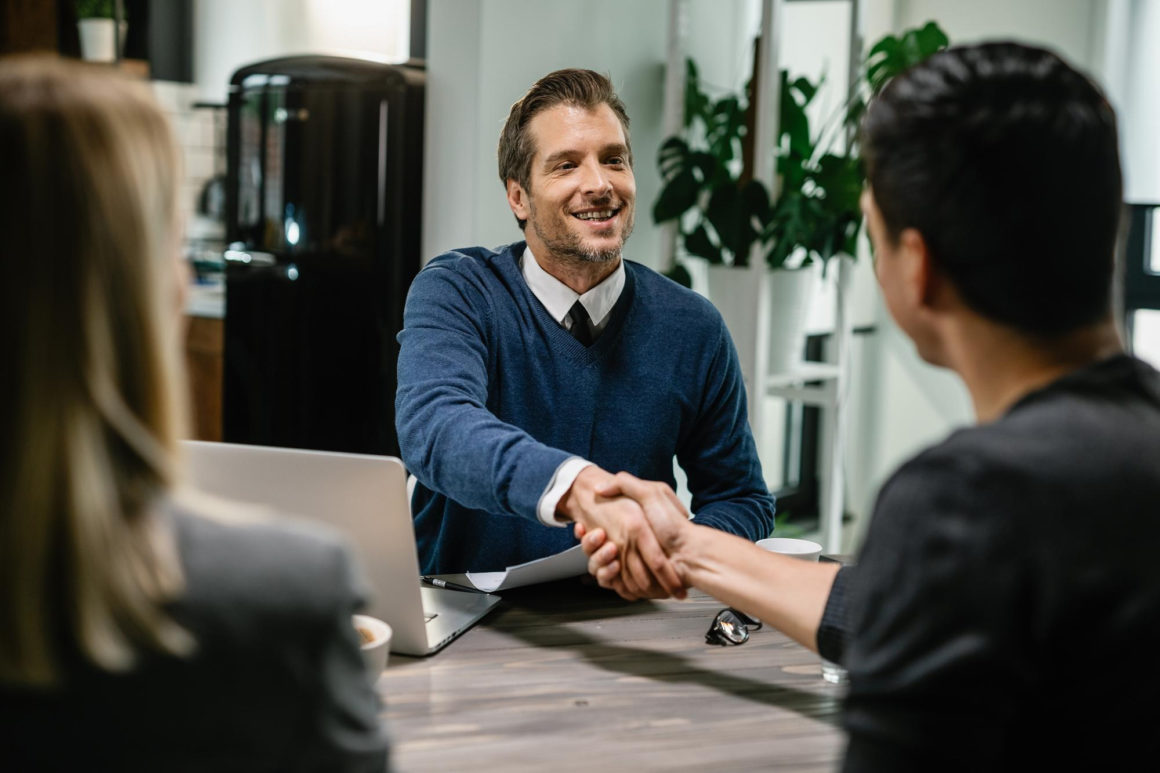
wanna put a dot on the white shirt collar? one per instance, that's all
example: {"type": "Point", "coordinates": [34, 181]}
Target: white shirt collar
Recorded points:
{"type": "Point", "coordinates": [558, 297]}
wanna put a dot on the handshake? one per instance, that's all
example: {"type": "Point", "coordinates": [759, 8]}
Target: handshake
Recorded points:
{"type": "Point", "coordinates": [632, 531]}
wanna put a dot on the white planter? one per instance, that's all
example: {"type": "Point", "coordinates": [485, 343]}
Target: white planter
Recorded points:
{"type": "Point", "coordinates": [97, 44]}
{"type": "Point", "coordinates": [791, 297]}
{"type": "Point", "coordinates": [736, 292]}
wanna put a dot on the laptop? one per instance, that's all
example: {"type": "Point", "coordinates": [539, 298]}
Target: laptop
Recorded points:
{"type": "Point", "coordinates": [365, 498]}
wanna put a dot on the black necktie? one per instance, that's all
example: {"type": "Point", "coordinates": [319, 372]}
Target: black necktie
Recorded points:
{"type": "Point", "coordinates": [581, 324]}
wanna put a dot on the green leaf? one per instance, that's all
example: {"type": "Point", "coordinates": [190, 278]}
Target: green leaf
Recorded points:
{"type": "Point", "coordinates": [806, 89]}
{"type": "Point", "coordinates": [673, 157]}
{"type": "Point", "coordinates": [709, 167]}
{"type": "Point", "coordinates": [697, 104]}
{"type": "Point", "coordinates": [931, 38]}
{"type": "Point", "coordinates": [840, 178]}
{"type": "Point", "coordinates": [94, 9]}
{"type": "Point", "coordinates": [891, 55]}
{"type": "Point", "coordinates": [724, 128]}
{"type": "Point", "coordinates": [731, 219]}
{"type": "Point", "coordinates": [755, 198]}
{"type": "Point", "coordinates": [677, 196]}
{"type": "Point", "coordinates": [698, 243]}
{"type": "Point", "coordinates": [794, 123]}
{"type": "Point", "coordinates": [792, 168]}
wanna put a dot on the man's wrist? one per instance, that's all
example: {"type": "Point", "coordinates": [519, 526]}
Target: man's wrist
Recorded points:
{"type": "Point", "coordinates": [548, 509]}
{"type": "Point", "coordinates": [571, 505]}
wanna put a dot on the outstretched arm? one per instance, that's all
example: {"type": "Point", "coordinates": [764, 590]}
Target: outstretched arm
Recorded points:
{"type": "Point", "coordinates": [449, 438]}
{"type": "Point", "coordinates": [645, 572]}
{"type": "Point", "coordinates": [784, 592]}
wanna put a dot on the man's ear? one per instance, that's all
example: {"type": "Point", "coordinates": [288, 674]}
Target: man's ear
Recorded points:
{"type": "Point", "coordinates": [518, 200]}
{"type": "Point", "coordinates": [923, 280]}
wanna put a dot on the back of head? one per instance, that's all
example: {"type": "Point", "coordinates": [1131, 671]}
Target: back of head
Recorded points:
{"type": "Point", "coordinates": [1005, 159]}
{"type": "Point", "coordinates": [91, 405]}
{"type": "Point", "coordinates": [582, 88]}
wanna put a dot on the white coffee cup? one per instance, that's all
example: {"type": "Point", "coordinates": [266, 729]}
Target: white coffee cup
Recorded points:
{"type": "Point", "coordinates": [789, 546]}
{"type": "Point", "coordinates": [807, 551]}
{"type": "Point", "coordinates": [375, 636]}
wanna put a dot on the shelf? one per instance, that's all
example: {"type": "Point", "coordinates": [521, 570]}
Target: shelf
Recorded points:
{"type": "Point", "coordinates": [794, 386]}
{"type": "Point", "coordinates": [806, 371]}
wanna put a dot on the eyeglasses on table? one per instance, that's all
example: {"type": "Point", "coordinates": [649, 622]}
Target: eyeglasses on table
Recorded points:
{"type": "Point", "coordinates": [731, 627]}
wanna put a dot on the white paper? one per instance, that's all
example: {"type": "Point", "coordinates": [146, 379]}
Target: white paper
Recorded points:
{"type": "Point", "coordinates": [567, 564]}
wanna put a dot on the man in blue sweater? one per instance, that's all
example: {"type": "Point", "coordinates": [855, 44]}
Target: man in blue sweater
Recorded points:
{"type": "Point", "coordinates": [529, 374]}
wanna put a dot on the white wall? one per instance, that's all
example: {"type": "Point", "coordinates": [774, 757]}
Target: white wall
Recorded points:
{"type": "Point", "coordinates": [1062, 25]}
{"type": "Point", "coordinates": [483, 56]}
{"type": "Point", "coordinates": [1132, 65]}
{"type": "Point", "coordinates": [719, 38]}
{"type": "Point", "coordinates": [231, 33]}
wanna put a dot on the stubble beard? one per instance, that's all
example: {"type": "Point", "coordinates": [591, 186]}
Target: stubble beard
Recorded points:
{"type": "Point", "coordinates": [568, 245]}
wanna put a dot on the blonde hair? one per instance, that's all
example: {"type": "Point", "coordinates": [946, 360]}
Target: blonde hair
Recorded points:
{"type": "Point", "coordinates": [91, 401]}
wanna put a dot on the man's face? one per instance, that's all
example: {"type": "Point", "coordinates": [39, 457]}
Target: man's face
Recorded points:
{"type": "Point", "coordinates": [897, 265]}
{"type": "Point", "coordinates": [581, 203]}
{"type": "Point", "coordinates": [884, 258]}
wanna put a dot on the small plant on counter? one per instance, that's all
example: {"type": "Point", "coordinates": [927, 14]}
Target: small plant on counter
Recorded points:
{"type": "Point", "coordinates": [95, 9]}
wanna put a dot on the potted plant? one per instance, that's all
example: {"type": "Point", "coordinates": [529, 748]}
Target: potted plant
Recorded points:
{"type": "Point", "coordinates": [723, 212]}
{"type": "Point", "coordinates": [96, 26]}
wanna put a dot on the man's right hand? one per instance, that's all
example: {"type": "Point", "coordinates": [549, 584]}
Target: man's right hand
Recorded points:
{"type": "Point", "coordinates": [665, 513]}
{"type": "Point", "coordinates": [645, 570]}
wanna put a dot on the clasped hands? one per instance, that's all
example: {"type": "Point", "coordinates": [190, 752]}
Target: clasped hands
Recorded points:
{"type": "Point", "coordinates": [632, 531]}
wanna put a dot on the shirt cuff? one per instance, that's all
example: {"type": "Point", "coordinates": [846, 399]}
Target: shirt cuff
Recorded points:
{"type": "Point", "coordinates": [562, 481]}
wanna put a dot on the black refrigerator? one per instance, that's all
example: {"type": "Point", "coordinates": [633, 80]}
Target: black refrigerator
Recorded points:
{"type": "Point", "coordinates": [323, 215]}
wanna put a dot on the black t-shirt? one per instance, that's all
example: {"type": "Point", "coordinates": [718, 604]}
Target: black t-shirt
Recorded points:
{"type": "Point", "coordinates": [1005, 609]}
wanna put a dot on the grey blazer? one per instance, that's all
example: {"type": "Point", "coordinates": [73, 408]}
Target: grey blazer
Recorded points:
{"type": "Point", "coordinates": [277, 682]}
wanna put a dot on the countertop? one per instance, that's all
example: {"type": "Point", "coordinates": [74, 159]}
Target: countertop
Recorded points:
{"type": "Point", "coordinates": [206, 300]}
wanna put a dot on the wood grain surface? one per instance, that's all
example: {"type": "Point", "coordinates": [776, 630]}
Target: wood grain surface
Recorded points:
{"type": "Point", "coordinates": [566, 676]}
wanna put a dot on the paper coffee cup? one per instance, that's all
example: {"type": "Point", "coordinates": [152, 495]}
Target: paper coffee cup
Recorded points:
{"type": "Point", "coordinates": [375, 637]}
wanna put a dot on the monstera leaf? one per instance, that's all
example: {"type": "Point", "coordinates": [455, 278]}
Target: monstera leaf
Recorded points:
{"type": "Point", "coordinates": [892, 55]}
{"type": "Point", "coordinates": [723, 212]}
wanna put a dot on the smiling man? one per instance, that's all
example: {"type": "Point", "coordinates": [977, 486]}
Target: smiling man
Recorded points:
{"type": "Point", "coordinates": [529, 373]}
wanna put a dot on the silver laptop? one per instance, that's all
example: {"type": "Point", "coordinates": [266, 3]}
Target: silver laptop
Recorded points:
{"type": "Point", "coordinates": [364, 497]}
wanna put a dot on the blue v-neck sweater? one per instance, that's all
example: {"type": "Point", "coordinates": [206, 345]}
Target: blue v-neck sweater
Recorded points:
{"type": "Point", "coordinates": [494, 395]}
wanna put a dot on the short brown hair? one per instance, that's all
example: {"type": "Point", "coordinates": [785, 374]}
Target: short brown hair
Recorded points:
{"type": "Point", "coordinates": [583, 88]}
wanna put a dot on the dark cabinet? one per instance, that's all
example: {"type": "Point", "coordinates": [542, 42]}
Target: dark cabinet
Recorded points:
{"type": "Point", "coordinates": [324, 184]}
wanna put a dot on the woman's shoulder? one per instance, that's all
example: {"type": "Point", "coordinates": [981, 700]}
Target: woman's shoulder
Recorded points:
{"type": "Point", "coordinates": [245, 562]}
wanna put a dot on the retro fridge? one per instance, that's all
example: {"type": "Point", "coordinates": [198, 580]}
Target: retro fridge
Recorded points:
{"type": "Point", "coordinates": [323, 194]}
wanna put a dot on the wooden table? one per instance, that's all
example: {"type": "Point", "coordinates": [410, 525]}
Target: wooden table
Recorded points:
{"type": "Point", "coordinates": [566, 676]}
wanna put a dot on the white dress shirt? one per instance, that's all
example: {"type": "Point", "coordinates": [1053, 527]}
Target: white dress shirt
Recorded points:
{"type": "Point", "coordinates": [558, 299]}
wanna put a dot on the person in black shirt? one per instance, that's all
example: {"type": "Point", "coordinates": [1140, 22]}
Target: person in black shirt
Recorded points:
{"type": "Point", "coordinates": [1005, 605]}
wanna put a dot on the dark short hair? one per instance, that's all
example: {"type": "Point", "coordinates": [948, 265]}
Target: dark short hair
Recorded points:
{"type": "Point", "coordinates": [583, 88]}
{"type": "Point", "coordinates": [1005, 159]}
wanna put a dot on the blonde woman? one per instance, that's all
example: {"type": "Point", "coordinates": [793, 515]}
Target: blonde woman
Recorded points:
{"type": "Point", "coordinates": [138, 631]}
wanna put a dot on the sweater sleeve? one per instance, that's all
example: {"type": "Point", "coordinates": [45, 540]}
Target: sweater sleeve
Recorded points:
{"type": "Point", "coordinates": [719, 456]}
{"type": "Point", "coordinates": [448, 438]}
